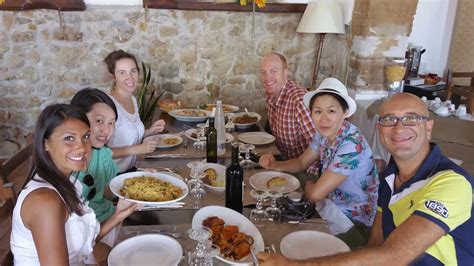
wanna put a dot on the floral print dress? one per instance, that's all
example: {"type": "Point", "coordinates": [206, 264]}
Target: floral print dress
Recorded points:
{"type": "Point", "coordinates": [350, 155]}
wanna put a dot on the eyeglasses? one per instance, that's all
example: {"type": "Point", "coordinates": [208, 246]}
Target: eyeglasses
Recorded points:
{"type": "Point", "coordinates": [407, 120]}
{"type": "Point", "coordinates": [89, 181]}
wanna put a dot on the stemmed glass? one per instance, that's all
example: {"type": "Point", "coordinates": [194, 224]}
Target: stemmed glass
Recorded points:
{"type": "Point", "coordinates": [200, 143]}
{"type": "Point", "coordinates": [246, 163]}
{"type": "Point", "coordinates": [258, 216]}
{"type": "Point", "coordinates": [204, 251]}
{"type": "Point", "coordinates": [197, 191]}
{"type": "Point", "coordinates": [274, 213]}
{"type": "Point", "coordinates": [230, 126]}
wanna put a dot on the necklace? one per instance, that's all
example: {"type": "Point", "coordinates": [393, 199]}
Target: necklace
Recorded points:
{"type": "Point", "coordinates": [399, 179]}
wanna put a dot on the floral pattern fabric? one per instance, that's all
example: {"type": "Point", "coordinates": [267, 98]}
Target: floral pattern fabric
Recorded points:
{"type": "Point", "coordinates": [350, 155]}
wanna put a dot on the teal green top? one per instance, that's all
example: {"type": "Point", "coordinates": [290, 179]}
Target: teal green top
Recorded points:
{"type": "Point", "coordinates": [103, 169]}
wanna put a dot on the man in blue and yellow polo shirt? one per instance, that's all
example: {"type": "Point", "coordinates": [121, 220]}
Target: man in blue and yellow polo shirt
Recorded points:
{"type": "Point", "coordinates": [425, 214]}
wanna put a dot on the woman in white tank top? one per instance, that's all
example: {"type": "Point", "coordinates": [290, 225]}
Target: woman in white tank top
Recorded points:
{"type": "Point", "coordinates": [126, 142]}
{"type": "Point", "coordinates": [51, 224]}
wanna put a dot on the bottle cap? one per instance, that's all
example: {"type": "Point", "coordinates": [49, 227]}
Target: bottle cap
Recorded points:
{"type": "Point", "coordinates": [295, 196]}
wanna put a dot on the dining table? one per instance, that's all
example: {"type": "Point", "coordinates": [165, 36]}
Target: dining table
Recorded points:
{"type": "Point", "coordinates": [176, 221]}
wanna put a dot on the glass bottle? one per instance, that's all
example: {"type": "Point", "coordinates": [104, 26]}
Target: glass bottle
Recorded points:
{"type": "Point", "coordinates": [220, 127]}
{"type": "Point", "coordinates": [211, 142]}
{"type": "Point", "coordinates": [234, 177]}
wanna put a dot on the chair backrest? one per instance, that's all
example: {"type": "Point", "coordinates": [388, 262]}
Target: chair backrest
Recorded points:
{"type": "Point", "coordinates": [452, 75]}
{"type": "Point", "coordinates": [21, 161]}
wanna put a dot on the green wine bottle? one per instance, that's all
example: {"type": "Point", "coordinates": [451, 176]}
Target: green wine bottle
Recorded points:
{"type": "Point", "coordinates": [211, 142]}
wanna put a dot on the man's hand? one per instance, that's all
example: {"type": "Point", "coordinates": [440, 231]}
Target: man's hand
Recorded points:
{"type": "Point", "coordinates": [268, 259]}
{"type": "Point", "coordinates": [267, 161]}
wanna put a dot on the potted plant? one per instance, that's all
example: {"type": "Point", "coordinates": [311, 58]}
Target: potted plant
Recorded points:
{"type": "Point", "coordinates": [147, 97]}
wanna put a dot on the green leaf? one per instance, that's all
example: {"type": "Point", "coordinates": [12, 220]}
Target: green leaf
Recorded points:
{"type": "Point", "coordinates": [147, 100]}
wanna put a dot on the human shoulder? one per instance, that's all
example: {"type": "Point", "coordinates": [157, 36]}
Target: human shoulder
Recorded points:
{"type": "Point", "coordinates": [42, 201]}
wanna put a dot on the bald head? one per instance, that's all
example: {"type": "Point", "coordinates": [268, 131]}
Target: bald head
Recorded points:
{"type": "Point", "coordinates": [276, 56]}
{"type": "Point", "coordinates": [404, 102]}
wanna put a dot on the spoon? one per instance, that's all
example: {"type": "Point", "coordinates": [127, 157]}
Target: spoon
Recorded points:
{"type": "Point", "coordinates": [247, 111]}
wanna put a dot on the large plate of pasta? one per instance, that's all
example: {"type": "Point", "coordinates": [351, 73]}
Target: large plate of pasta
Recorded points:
{"type": "Point", "coordinates": [150, 189]}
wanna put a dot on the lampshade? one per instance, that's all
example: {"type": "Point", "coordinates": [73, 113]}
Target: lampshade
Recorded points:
{"type": "Point", "coordinates": [322, 17]}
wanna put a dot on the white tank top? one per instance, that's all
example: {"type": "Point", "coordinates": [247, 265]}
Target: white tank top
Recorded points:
{"type": "Point", "coordinates": [81, 231]}
{"type": "Point", "coordinates": [129, 131]}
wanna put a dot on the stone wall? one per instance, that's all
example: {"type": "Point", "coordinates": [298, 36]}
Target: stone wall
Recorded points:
{"type": "Point", "coordinates": [380, 29]}
{"type": "Point", "coordinates": [197, 56]}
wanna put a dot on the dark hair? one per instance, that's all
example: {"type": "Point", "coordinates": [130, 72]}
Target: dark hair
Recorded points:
{"type": "Point", "coordinates": [51, 118]}
{"type": "Point", "coordinates": [111, 60]}
{"type": "Point", "coordinates": [338, 98]}
{"type": "Point", "coordinates": [87, 97]}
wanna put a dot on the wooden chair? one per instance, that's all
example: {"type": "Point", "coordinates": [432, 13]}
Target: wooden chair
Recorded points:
{"type": "Point", "coordinates": [14, 171]}
{"type": "Point", "coordinates": [466, 91]}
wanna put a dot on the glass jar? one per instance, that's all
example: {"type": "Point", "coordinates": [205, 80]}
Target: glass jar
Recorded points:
{"type": "Point", "coordinates": [395, 69]}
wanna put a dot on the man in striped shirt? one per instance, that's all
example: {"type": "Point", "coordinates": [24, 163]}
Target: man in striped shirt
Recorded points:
{"type": "Point", "coordinates": [290, 121]}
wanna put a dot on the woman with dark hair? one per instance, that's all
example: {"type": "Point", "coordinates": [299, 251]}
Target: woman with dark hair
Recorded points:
{"type": "Point", "coordinates": [126, 142]}
{"type": "Point", "coordinates": [102, 114]}
{"type": "Point", "coordinates": [50, 223]}
{"type": "Point", "coordinates": [347, 174]}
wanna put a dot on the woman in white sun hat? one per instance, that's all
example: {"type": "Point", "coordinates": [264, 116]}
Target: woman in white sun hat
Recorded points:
{"type": "Point", "coordinates": [348, 181]}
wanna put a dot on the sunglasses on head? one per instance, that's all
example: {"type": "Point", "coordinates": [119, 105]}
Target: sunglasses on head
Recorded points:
{"type": "Point", "coordinates": [89, 181]}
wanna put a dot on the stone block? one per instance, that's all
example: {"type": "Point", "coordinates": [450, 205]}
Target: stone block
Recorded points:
{"type": "Point", "coordinates": [27, 36]}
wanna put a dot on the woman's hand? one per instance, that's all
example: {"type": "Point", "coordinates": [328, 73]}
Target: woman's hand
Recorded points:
{"type": "Point", "coordinates": [267, 161]}
{"type": "Point", "coordinates": [125, 208]}
{"type": "Point", "coordinates": [147, 147]}
{"type": "Point", "coordinates": [156, 128]}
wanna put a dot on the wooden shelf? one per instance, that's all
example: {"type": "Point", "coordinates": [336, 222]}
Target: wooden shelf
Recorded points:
{"type": "Point", "coordinates": [63, 5]}
{"type": "Point", "coordinates": [209, 5]}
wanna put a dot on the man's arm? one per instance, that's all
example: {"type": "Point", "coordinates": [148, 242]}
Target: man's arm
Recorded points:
{"type": "Point", "coordinates": [405, 244]}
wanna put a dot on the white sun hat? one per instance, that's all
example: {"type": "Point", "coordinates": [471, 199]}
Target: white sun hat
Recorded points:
{"type": "Point", "coordinates": [332, 85]}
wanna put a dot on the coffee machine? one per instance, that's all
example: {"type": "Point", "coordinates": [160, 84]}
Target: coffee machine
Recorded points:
{"type": "Point", "coordinates": [413, 57]}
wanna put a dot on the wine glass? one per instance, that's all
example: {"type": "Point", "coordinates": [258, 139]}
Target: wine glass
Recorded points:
{"type": "Point", "coordinates": [274, 213]}
{"type": "Point", "coordinates": [259, 216]}
{"type": "Point", "coordinates": [246, 163]}
{"type": "Point", "coordinates": [201, 235]}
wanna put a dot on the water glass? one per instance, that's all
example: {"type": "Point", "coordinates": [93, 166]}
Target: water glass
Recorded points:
{"type": "Point", "coordinates": [246, 163]}
{"type": "Point", "coordinates": [200, 257]}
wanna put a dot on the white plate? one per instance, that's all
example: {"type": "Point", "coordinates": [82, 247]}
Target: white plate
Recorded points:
{"type": "Point", "coordinates": [443, 115]}
{"type": "Point", "coordinates": [220, 170]}
{"type": "Point", "coordinates": [146, 250]}
{"type": "Point", "coordinates": [180, 115]}
{"type": "Point", "coordinates": [231, 217]}
{"type": "Point", "coordinates": [307, 244]}
{"type": "Point", "coordinates": [188, 133]}
{"type": "Point", "coordinates": [117, 183]}
{"type": "Point", "coordinates": [226, 107]}
{"type": "Point", "coordinates": [259, 181]}
{"type": "Point", "coordinates": [256, 138]}
{"type": "Point", "coordinates": [237, 125]}
{"type": "Point", "coordinates": [160, 139]}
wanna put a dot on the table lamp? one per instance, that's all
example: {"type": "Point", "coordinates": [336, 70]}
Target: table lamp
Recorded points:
{"type": "Point", "coordinates": [321, 17]}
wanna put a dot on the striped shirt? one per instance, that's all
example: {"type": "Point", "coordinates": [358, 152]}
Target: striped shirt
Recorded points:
{"type": "Point", "coordinates": [290, 121]}
{"type": "Point", "coordinates": [441, 192]}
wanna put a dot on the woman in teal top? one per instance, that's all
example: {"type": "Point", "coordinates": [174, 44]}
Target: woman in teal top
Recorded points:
{"type": "Point", "coordinates": [102, 114]}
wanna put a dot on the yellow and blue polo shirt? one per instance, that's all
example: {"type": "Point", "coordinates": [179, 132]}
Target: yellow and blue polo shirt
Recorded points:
{"type": "Point", "coordinates": [441, 192]}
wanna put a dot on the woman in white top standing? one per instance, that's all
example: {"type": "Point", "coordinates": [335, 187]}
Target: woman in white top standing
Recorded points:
{"type": "Point", "coordinates": [50, 223]}
{"type": "Point", "coordinates": [126, 142]}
